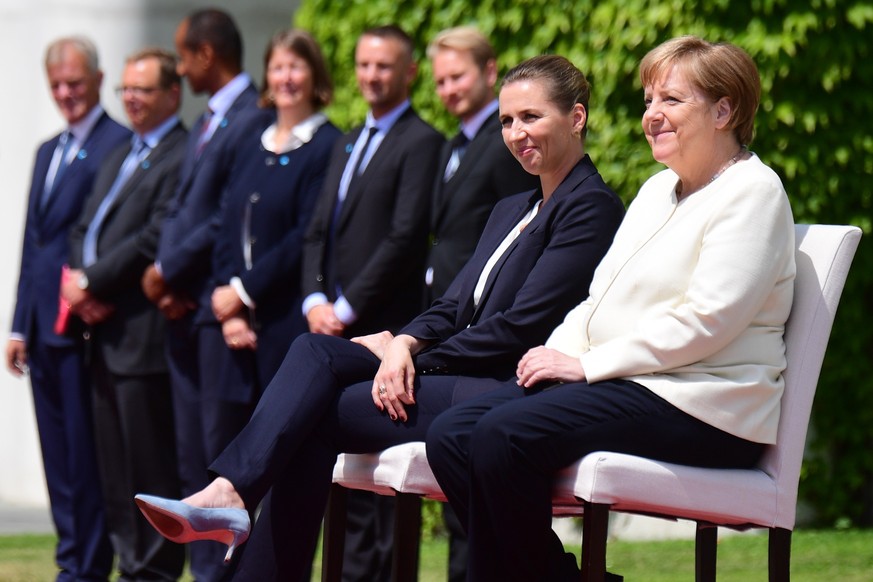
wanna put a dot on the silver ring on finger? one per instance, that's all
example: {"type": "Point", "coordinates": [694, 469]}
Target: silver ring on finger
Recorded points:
{"type": "Point", "coordinates": [381, 389]}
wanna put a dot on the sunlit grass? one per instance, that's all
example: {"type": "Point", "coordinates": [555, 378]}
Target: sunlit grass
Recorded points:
{"type": "Point", "coordinates": [816, 556]}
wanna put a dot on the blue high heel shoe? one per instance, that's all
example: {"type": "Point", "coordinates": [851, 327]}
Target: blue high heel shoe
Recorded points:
{"type": "Point", "coordinates": [183, 523]}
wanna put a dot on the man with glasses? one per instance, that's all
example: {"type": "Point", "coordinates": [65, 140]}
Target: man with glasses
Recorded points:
{"type": "Point", "coordinates": [110, 247]}
{"type": "Point", "coordinates": [63, 175]}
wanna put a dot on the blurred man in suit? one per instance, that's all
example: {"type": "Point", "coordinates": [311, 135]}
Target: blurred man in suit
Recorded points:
{"type": "Point", "coordinates": [110, 247]}
{"type": "Point", "coordinates": [477, 171]}
{"type": "Point", "coordinates": [210, 51]}
{"type": "Point", "coordinates": [363, 258]}
{"type": "Point", "coordinates": [476, 168]}
{"type": "Point", "coordinates": [63, 176]}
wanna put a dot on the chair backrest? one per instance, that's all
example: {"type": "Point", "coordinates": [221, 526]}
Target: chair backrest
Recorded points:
{"type": "Point", "coordinates": [824, 255]}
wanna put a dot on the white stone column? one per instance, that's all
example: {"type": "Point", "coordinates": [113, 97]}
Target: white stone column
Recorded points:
{"type": "Point", "coordinates": [28, 116]}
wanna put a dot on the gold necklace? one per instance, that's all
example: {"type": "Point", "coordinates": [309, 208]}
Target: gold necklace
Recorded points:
{"type": "Point", "coordinates": [721, 170]}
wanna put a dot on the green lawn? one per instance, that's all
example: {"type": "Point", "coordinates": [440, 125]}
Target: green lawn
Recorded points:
{"type": "Point", "coordinates": [829, 556]}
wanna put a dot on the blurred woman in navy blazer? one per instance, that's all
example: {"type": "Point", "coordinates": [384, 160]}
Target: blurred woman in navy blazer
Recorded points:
{"type": "Point", "coordinates": [267, 205]}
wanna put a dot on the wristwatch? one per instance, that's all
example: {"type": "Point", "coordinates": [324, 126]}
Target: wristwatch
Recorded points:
{"type": "Point", "coordinates": [82, 282]}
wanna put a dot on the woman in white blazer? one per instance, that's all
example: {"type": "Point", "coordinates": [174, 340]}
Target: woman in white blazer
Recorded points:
{"type": "Point", "coordinates": [677, 353]}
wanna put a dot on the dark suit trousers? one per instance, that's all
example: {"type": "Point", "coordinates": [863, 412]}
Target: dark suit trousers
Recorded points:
{"type": "Point", "coordinates": [317, 405]}
{"type": "Point", "coordinates": [63, 416]}
{"type": "Point", "coordinates": [206, 558]}
{"type": "Point", "coordinates": [495, 457]}
{"type": "Point", "coordinates": [133, 429]}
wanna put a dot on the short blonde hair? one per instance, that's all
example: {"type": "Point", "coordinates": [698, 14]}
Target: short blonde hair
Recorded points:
{"type": "Point", "coordinates": [718, 69]}
{"type": "Point", "coordinates": [463, 38]}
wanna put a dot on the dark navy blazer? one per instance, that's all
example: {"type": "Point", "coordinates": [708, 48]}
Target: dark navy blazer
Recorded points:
{"type": "Point", "coordinates": [185, 249]}
{"type": "Point", "coordinates": [461, 206]}
{"type": "Point", "coordinates": [543, 274]}
{"type": "Point", "coordinates": [267, 208]}
{"type": "Point", "coordinates": [46, 247]}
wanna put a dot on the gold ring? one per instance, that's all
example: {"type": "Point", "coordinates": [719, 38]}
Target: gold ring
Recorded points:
{"type": "Point", "coordinates": [234, 341]}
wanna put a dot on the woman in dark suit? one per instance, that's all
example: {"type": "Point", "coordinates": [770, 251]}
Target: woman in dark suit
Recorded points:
{"type": "Point", "coordinates": [534, 260]}
{"type": "Point", "coordinates": [676, 355]}
{"type": "Point", "coordinates": [267, 205]}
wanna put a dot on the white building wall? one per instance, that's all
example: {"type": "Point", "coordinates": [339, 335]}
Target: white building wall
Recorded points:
{"type": "Point", "coordinates": [28, 117]}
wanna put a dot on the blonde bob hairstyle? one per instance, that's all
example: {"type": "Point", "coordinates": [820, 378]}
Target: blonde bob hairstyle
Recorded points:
{"type": "Point", "coordinates": [718, 69]}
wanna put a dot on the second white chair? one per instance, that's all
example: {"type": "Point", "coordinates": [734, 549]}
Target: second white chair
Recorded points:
{"type": "Point", "coordinates": [764, 497]}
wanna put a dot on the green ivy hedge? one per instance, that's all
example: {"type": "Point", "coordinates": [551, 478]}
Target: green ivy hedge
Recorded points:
{"type": "Point", "coordinates": [815, 128]}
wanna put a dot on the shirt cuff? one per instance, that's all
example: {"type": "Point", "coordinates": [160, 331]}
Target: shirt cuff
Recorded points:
{"type": "Point", "coordinates": [18, 337]}
{"type": "Point", "coordinates": [344, 312]}
{"type": "Point", "coordinates": [237, 285]}
{"type": "Point", "coordinates": [313, 300]}
{"type": "Point", "coordinates": [159, 269]}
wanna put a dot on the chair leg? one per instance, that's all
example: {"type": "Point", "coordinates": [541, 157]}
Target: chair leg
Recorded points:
{"type": "Point", "coordinates": [407, 538]}
{"type": "Point", "coordinates": [595, 524]}
{"type": "Point", "coordinates": [705, 553]}
{"type": "Point", "coordinates": [334, 535]}
{"type": "Point", "coordinates": [779, 557]}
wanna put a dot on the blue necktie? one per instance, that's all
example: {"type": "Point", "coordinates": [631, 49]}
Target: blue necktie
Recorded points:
{"type": "Point", "coordinates": [328, 261]}
{"type": "Point", "coordinates": [138, 152]}
{"type": "Point", "coordinates": [65, 142]}
{"type": "Point", "coordinates": [360, 162]}
{"type": "Point", "coordinates": [459, 147]}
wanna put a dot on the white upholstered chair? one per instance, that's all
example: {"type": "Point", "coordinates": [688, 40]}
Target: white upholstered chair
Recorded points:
{"type": "Point", "coordinates": [764, 497]}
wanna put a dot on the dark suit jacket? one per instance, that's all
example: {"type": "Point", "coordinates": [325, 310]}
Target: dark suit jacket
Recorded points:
{"type": "Point", "coordinates": [185, 248]}
{"type": "Point", "coordinates": [543, 274]}
{"type": "Point", "coordinates": [132, 339]}
{"type": "Point", "coordinates": [46, 231]}
{"type": "Point", "coordinates": [269, 203]}
{"type": "Point", "coordinates": [380, 241]}
{"type": "Point", "coordinates": [461, 206]}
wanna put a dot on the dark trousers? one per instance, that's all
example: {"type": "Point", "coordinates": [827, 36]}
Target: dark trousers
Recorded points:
{"type": "Point", "coordinates": [201, 428]}
{"type": "Point", "coordinates": [495, 457]}
{"type": "Point", "coordinates": [62, 403]}
{"type": "Point", "coordinates": [318, 405]}
{"type": "Point", "coordinates": [133, 429]}
{"type": "Point", "coordinates": [459, 554]}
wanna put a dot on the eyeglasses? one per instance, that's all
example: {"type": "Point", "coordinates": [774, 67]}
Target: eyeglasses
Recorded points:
{"type": "Point", "coordinates": [138, 92]}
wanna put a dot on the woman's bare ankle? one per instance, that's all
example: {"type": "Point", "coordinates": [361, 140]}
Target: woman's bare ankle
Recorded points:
{"type": "Point", "coordinates": [219, 493]}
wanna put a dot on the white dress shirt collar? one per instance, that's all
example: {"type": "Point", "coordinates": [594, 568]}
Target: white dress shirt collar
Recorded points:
{"type": "Point", "coordinates": [301, 134]}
